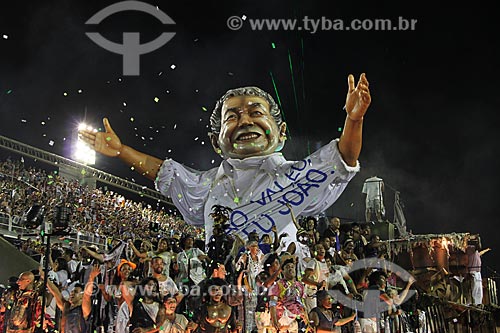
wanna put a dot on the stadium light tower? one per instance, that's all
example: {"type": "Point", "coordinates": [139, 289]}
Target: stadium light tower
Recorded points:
{"type": "Point", "coordinates": [82, 152]}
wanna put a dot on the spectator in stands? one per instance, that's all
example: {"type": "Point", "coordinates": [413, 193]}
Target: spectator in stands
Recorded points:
{"type": "Point", "coordinates": [233, 295]}
{"type": "Point", "coordinates": [346, 256]}
{"type": "Point", "coordinates": [310, 224]}
{"type": "Point", "coordinates": [377, 303]}
{"type": "Point", "coordinates": [374, 248]}
{"type": "Point", "coordinates": [325, 317]}
{"type": "Point", "coordinates": [315, 276]}
{"type": "Point", "coordinates": [75, 311]}
{"type": "Point", "coordinates": [60, 272]}
{"type": "Point", "coordinates": [148, 310]}
{"type": "Point", "coordinates": [190, 262]}
{"type": "Point", "coordinates": [334, 231]}
{"type": "Point", "coordinates": [272, 267]}
{"type": "Point", "coordinates": [163, 251]}
{"type": "Point", "coordinates": [359, 240]}
{"type": "Point", "coordinates": [68, 255]}
{"type": "Point", "coordinates": [165, 282]}
{"type": "Point", "coordinates": [174, 322]}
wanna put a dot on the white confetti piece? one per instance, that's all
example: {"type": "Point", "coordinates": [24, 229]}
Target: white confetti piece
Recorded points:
{"type": "Point", "coordinates": [172, 66]}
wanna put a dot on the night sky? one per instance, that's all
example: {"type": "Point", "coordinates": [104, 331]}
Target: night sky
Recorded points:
{"type": "Point", "coordinates": [430, 132]}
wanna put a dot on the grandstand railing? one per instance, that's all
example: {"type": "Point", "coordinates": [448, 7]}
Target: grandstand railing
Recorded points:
{"type": "Point", "coordinates": [12, 225]}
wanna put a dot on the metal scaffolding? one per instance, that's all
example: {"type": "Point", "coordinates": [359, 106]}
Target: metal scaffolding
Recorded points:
{"type": "Point", "coordinates": [62, 162]}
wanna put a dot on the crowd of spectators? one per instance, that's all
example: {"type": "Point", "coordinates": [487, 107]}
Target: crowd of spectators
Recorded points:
{"type": "Point", "coordinates": [170, 279]}
{"type": "Point", "coordinates": [96, 212]}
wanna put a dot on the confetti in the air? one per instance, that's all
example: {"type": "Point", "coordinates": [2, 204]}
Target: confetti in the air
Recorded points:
{"type": "Point", "coordinates": [5, 37]}
{"type": "Point", "coordinates": [43, 122]}
{"type": "Point", "coordinates": [172, 66]}
{"type": "Point", "coordinates": [230, 73]}
{"type": "Point", "coordinates": [80, 91]}
{"type": "Point", "coordinates": [339, 129]}
{"type": "Point", "coordinates": [273, 45]}
{"type": "Point", "coordinates": [65, 94]}
{"type": "Point", "coordinates": [156, 99]}
{"type": "Point", "coordinates": [204, 108]}
{"type": "Point", "coordinates": [51, 143]}
{"type": "Point", "coordinates": [24, 120]}
{"type": "Point", "coordinates": [244, 17]}
{"type": "Point", "coordinates": [124, 103]}
{"type": "Point", "coordinates": [131, 119]}
{"type": "Point", "coordinates": [196, 139]}
{"type": "Point", "coordinates": [213, 161]}
{"type": "Point", "coordinates": [175, 126]}
{"type": "Point", "coordinates": [8, 91]}
{"type": "Point", "coordinates": [159, 74]}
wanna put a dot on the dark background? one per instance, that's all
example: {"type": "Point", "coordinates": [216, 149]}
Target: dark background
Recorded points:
{"type": "Point", "coordinates": [430, 132]}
